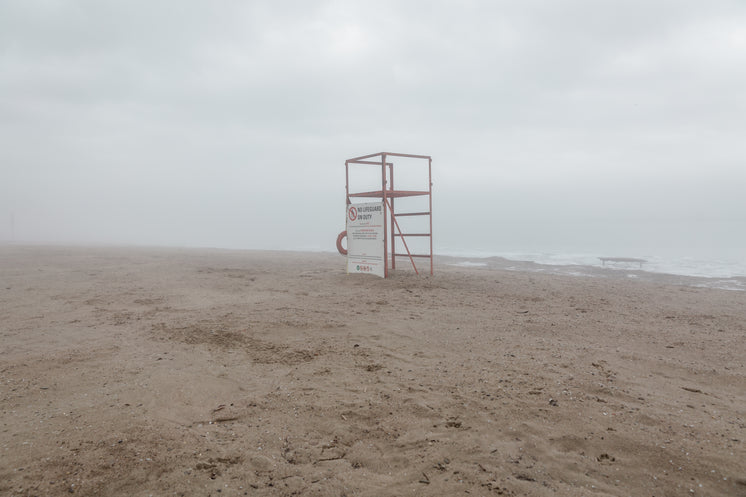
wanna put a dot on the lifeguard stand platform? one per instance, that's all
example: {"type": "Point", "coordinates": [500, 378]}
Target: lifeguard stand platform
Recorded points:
{"type": "Point", "coordinates": [394, 237]}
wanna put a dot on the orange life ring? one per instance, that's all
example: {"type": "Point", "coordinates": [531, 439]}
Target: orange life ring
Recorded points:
{"type": "Point", "coordinates": [340, 248]}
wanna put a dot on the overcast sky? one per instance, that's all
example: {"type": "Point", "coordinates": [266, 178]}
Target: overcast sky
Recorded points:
{"type": "Point", "coordinates": [227, 123]}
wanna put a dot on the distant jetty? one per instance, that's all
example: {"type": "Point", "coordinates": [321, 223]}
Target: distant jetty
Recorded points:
{"type": "Point", "coordinates": [632, 260]}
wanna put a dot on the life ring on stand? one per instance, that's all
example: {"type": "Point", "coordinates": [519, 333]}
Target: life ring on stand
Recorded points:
{"type": "Point", "coordinates": [340, 248]}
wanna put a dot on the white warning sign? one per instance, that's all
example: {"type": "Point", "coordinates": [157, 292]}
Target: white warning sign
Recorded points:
{"type": "Point", "coordinates": [365, 238]}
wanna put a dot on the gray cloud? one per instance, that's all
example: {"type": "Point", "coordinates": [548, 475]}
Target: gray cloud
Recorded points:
{"type": "Point", "coordinates": [203, 123]}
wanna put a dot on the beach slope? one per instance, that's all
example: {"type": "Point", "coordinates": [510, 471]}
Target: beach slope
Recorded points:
{"type": "Point", "coordinates": [139, 372]}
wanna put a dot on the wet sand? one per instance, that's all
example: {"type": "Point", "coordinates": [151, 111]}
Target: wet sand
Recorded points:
{"type": "Point", "coordinates": [137, 372]}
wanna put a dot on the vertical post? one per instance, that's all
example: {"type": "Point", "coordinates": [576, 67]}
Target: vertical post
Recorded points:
{"type": "Point", "coordinates": [430, 197]}
{"type": "Point", "coordinates": [393, 235]}
{"type": "Point", "coordinates": [385, 216]}
{"type": "Point", "coordinates": [347, 187]}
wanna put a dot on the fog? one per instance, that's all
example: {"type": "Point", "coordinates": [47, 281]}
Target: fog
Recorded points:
{"type": "Point", "coordinates": [585, 126]}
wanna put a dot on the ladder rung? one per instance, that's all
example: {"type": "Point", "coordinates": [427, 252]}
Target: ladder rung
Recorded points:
{"type": "Point", "coordinates": [412, 214]}
{"type": "Point", "coordinates": [411, 234]}
{"type": "Point", "coordinates": [413, 255]}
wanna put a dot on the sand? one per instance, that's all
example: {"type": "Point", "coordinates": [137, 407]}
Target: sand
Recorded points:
{"type": "Point", "coordinates": [138, 372]}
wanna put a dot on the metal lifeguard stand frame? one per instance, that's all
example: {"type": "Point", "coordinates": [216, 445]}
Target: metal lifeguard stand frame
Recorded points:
{"type": "Point", "coordinates": [388, 194]}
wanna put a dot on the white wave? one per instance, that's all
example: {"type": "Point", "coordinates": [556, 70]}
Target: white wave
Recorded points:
{"type": "Point", "coordinates": [469, 264]}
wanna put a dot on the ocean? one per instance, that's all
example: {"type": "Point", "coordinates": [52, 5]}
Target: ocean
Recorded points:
{"type": "Point", "coordinates": [710, 253]}
{"type": "Point", "coordinates": [727, 274]}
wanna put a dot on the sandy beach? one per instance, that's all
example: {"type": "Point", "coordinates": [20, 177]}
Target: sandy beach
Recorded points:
{"type": "Point", "coordinates": [139, 372]}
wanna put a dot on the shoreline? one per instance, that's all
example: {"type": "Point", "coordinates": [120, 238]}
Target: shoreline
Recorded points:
{"type": "Point", "coordinates": [631, 271]}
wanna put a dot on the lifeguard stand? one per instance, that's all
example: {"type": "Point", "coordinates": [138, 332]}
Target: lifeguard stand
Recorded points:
{"type": "Point", "coordinates": [387, 195]}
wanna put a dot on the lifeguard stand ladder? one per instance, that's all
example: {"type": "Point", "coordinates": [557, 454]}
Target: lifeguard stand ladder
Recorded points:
{"type": "Point", "coordinates": [387, 194]}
